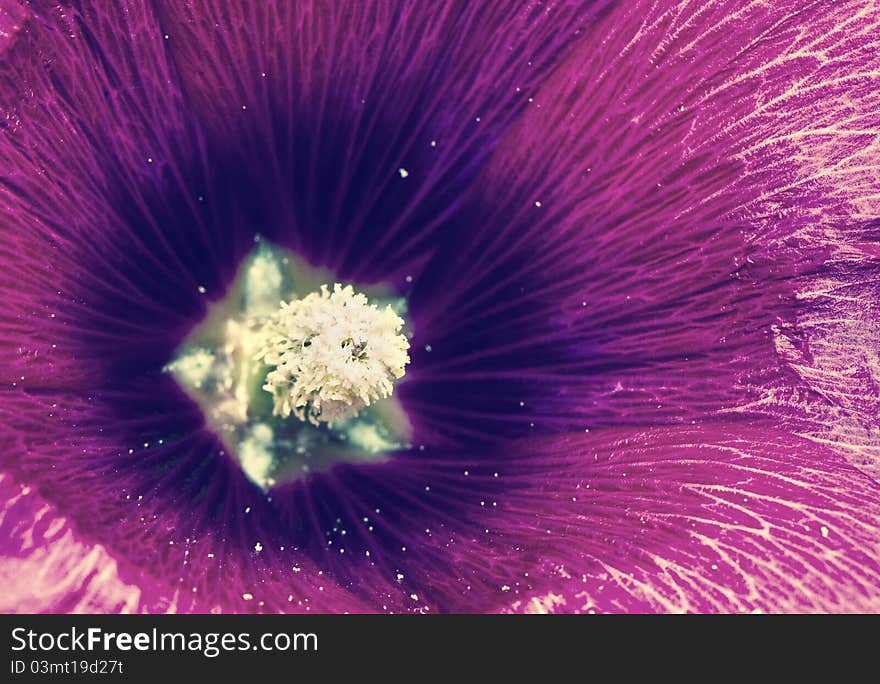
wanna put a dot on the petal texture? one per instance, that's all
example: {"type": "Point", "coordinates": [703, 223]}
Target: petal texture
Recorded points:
{"type": "Point", "coordinates": [634, 227]}
{"type": "Point", "coordinates": [342, 96]}
{"type": "Point", "coordinates": [723, 518]}
{"type": "Point", "coordinates": [688, 197]}
{"type": "Point", "coordinates": [172, 527]}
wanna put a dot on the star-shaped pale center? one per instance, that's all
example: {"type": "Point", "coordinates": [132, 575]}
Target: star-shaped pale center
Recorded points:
{"type": "Point", "coordinates": [294, 376]}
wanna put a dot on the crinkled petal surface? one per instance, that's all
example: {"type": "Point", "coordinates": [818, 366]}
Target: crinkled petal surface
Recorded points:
{"type": "Point", "coordinates": [614, 217]}
{"type": "Point", "coordinates": [49, 564]}
{"type": "Point", "coordinates": [685, 188]}
{"type": "Point", "coordinates": [730, 518]}
{"type": "Point", "coordinates": [721, 518]}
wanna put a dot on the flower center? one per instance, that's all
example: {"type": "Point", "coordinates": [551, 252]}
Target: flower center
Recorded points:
{"type": "Point", "coordinates": [294, 377]}
{"type": "Point", "coordinates": [332, 354]}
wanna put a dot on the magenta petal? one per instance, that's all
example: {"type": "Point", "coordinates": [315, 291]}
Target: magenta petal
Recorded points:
{"type": "Point", "coordinates": [341, 95]}
{"type": "Point", "coordinates": [93, 132]}
{"type": "Point", "coordinates": [720, 518]}
{"type": "Point", "coordinates": [47, 565]}
{"type": "Point", "coordinates": [833, 345]}
{"type": "Point", "coordinates": [12, 17]}
{"type": "Point", "coordinates": [688, 191]}
{"type": "Point", "coordinates": [84, 530]}
{"type": "Point", "coordinates": [642, 249]}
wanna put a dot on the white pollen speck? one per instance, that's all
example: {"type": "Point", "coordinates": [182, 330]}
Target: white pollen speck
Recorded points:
{"type": "Point", "coordinates": [296, 568]}
{"type": "Point", "coordinates": [429, 348]}
{"type": "Point", "coordinates": [247, 509]}
{"type": "Point", "coordinates": [248, 597]}
{"type": "Point", "coordinates": [824, 531]}
{"type": "Point", "coordinates": [409, 279]}
{"type": "Point", "coordinates": [505, 587]}
{"type": "Point", "coordinates": [403, 172]}
{"type": "Point", "coordinates": [537, 203]}
{"type": "Point", "coordinates": [258, 547]}
{"type": "Point", "coordinates": [202, 289]}
{"type": "Point", "coordinates": [414, 597]}
{"type": "Point", "coordinates": [210, 555]}
{"type": "Point", "coordinates": [400, 577]}
{"type": "Point", "coordinates": [433, 143]}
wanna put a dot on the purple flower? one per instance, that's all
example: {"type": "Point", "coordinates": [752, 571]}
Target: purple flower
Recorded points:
{"type": "Point", "coordinates": [638, 244]}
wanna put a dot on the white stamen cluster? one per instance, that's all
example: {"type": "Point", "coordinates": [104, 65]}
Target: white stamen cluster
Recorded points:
{"type": "Point", "coordinates": [332, 353]}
